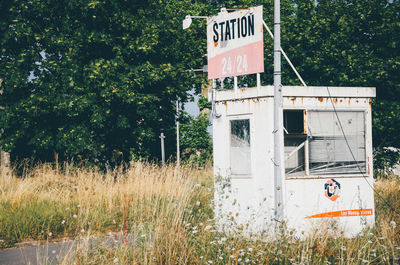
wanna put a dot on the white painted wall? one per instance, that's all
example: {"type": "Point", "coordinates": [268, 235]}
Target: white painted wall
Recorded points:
{"type": "Point", "coordinates": [248, 200]}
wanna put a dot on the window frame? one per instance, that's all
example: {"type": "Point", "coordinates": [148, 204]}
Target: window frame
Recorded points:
{"type": "Point", "coordinates": [245, 116]}
{"type": "Point", "coordinates": [307, 174]}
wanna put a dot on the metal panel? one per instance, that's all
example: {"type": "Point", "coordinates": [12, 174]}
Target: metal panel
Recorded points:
{"type": "Point", "coordinates": [298, 91]}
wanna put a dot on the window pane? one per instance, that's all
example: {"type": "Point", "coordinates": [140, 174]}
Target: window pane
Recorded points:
{"type": "Point", "coordinates": [294, 140]}
{"type": "Point", "coordinates": [294, 155]}
{"type": "Point", "coordinates": [293, 121]}
{"type": "Point", "coordinates": [240, 147]}
{"type": "Point", "coordinates": [328, 150]}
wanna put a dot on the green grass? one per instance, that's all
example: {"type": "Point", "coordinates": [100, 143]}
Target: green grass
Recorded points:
{"type": "Point", "coordinates": [170, 213]}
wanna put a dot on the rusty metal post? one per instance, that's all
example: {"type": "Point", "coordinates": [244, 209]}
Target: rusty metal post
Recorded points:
{"type": "Point", "coordinates": [162, 137]}
{"type": "Point", "coordinates": [279, 169]}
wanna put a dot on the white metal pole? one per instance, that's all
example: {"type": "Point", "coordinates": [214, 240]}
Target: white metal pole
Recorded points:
{"type": "Point", "coordinates": [162, 149]}
{"type": "Point", "coordinates": [178, 153]}
{"type": "Point", "coordinates": [279, 171]}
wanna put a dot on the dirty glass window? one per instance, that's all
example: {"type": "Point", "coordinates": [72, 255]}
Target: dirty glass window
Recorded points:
{"type": "Point", "coordinates": [240, 158]}
{"type": "Point", "coordinates": [294, 140]}
{"type": "Point", "coordinates": [328, 150]}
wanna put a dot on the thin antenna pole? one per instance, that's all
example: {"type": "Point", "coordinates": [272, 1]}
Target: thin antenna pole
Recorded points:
{"type": "Point", "coordinates": [162, 148]}
{"type": "Point", "coordinates": [279, 169]}
{"type": "Point", "coordinates": [178, 153]}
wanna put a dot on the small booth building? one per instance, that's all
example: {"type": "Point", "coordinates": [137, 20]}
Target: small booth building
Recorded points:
{"type": "Point", "coordinates": [328, 183]}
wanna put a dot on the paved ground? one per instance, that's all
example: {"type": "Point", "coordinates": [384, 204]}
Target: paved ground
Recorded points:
{"type": "Point", "coordinates": [35, 255]}
{"type": "Point", "coordinates": [49, 254]}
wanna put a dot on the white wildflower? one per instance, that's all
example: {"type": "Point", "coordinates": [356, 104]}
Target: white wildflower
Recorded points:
{"type": "Point", "coordinates": [54, 252]}
{"type": "Point", "coordinates": [369, 241]}
{"type": "Point", "coordinates": [250, 249]}
{"type": "Point", "coordinates": [116, 260]}
{"type": "Point", "coordinates": [232, 257]}
{"type": "Point", "coordinates": [201, 257]}
{"type": "Point", "coordinates": [82, 230]}
{"type": "Point", "coordinates": [63, 222]}
{"type": "Point", "coordinates": [210, 262]}
{"type": "Point", "coordinates": [208, 227]}
{"type": "Point", "coordinates": [221, 258]}
{"type": "Point", "coordinates": [197, 185]}
{"type": "Point", "coordinates": [198, 203]}
{"type": "Point", "coordinates": [247, 261]}
{"type": "Point", "coordinates": [75, 216]}
{"type": "Point", "coordinates": [50, 233]}
{"type": "Point", "coordinates": [393, 224]}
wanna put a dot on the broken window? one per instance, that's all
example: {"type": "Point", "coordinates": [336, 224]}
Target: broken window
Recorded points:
{"type": "Point", "coordinates": [293, 121]}
{"type": "Point", "coordinates": [294, 142]}
{"type": "Point", "coordinates": [323, 150]}
{"type": "Point", "coordinates": [329, 151]}
{"type": "Point", "coordinates": [240, 157]}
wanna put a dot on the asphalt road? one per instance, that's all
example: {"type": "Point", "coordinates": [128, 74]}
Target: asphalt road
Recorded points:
{"type": "Point", "coordinates": [50, 253]}
{"type": "Point", "coordinates": [36, 255]}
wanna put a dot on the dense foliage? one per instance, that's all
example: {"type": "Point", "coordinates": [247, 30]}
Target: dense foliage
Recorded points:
{"type": "Point", "coordinates": [196, 143]}
{"type": "Point", "coordinates": [97, 80]}
{"type": "Point", "coordinates": [94, 80]}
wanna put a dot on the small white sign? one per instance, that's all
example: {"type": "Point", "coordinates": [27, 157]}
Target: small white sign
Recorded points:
{"type": "Point", "coordinates": [235, 43]}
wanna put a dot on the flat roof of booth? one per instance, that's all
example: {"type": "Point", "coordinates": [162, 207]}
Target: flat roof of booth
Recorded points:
{"type": "Point", "coordinates": [296, 91]}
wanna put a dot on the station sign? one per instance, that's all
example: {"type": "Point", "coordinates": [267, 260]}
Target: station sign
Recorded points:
{"type": "Point", "coordinates": [235, 43]}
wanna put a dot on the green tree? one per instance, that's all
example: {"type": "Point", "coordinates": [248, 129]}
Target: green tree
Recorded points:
{"type": "Point", "coordinates": [98, 79]}
{"type": "Point", "coordinates": [94, 80]}
{"type": "Point", "coordinates": [196, 143]}
{"type": "Point", "coordinates": [351, 43]}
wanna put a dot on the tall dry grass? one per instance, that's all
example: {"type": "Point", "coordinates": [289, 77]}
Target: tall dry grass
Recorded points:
{"type": "Point", "coordinates": [164, 216]}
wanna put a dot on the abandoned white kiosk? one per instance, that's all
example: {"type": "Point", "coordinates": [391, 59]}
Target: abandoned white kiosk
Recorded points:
{"type": "Point", "coordinates": [322, 180]}
{"type": "Point", "coordinates": [327, 141]}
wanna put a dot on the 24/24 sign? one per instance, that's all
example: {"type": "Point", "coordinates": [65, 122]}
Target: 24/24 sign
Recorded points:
{"type": "Point", "coordinates": [235, 43]}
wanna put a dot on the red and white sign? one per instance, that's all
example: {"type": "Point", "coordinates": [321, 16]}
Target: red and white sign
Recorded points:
{"type": "Point", "coordinates": [235, 43]}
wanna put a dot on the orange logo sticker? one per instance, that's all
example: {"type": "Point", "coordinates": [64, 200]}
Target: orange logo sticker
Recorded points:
{"type": "Point", "coordinates": [332, 189]}
{"type": "Point", "coordinates": [343, 213]}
